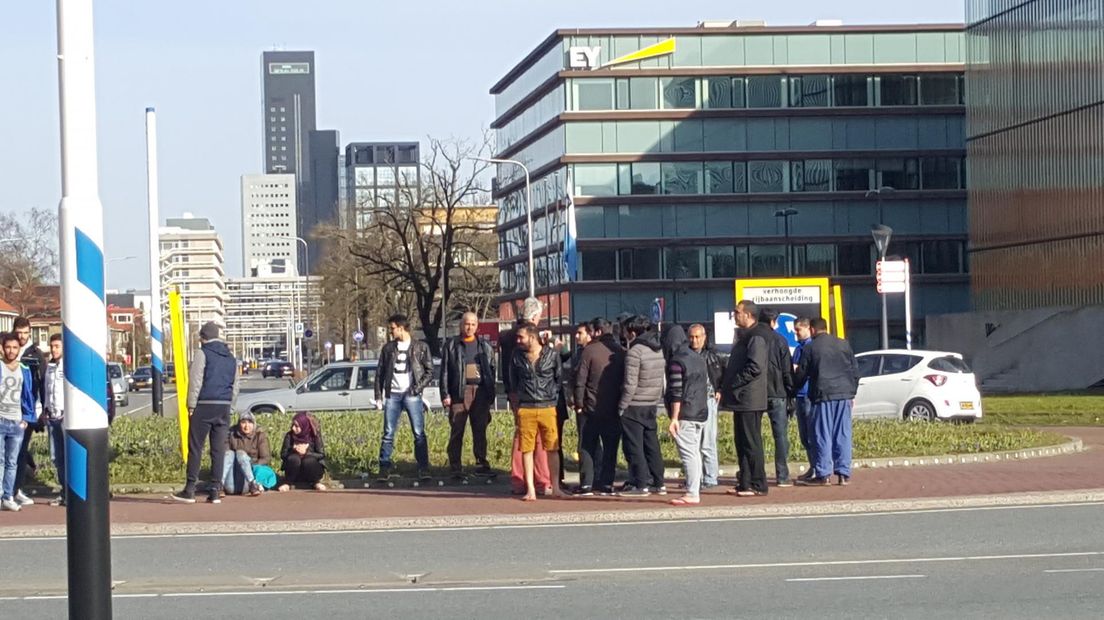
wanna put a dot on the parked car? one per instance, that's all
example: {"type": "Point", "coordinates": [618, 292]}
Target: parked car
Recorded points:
{"type": "Point", "coordinates": [277, 369]}
{"type": "Point", "coordinates": [118, 383]}
{"type": "Point", "coordinates": [916, 385]}
{"type": "Point", "coordinates": [142, 378]}
{"type": "Point", "coordinates": [341, 386]}
{"type": "Point", "coordinates": [169, 376]}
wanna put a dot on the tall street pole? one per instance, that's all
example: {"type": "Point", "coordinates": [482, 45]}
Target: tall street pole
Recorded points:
{"type": "Point", "coordinates": [83, 313]}
{"type": "Point", "coordinates": [528, 214]}
{"type": "Point", "coordinates": [157, 366]}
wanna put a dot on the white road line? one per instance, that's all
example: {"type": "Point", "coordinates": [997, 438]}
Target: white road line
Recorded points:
{"type": "Point", "coordinates": [267, 592]}
{"type": "Point", "coordinates": [857, 578]}
{"type": "Point", "coordinates": [1074, 570]}
{"type": "Point", "coordinates": [965, 558]}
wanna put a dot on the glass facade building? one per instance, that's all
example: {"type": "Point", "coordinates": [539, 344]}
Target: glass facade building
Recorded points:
{"type": "Point", "coordinates": [1036, 157]}
{"type": "Point", "coordinates": [679, 162]}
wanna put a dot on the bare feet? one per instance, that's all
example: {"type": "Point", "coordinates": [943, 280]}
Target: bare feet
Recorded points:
{"type": "Point", "coordinates": [529, 497]}
{"type": "Point", "coordinates": [283, 488]}
{"type": "Point", "coordinates": [558, 493]}
{"type": "Point", "coordinates": [318, 486]}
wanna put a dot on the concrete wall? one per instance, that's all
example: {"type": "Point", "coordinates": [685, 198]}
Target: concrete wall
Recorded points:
{"type": "Point", "coordinates": [1043, 350]}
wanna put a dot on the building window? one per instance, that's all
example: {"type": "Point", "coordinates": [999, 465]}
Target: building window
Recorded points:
{"type": "Point", "coordinates": [851, 90]}
{"type": "Point", "coordinates": [719, 92]}
{"type": "Point", "coordinates": [598, 264]}
{"type": "Point", "coordinates": [644, 178]}
{"type": "Point", "coordinates": [942, 256]}
{"type": "Point", "coordinates": [684, 263]}
{"type": "Point", "coordinates": [809, 91]}
{"type": "Point", "coordinates": [898, 173]}
{"type": "Point", "coordinates": [643, 93]}
{"type": "Point", "coordinates": [594, 94]}
{"type": "Point", "coordinates": [720, 261]}
{"type": "Point", "coordinates": [852, 174]}
{"type": "Point", "coordinates": [898, 90]}
{"type": "Point", "coordinates": [679, 93]}
{"type": "Point", "coordinates": [815, 259]}
{"type": "Point", "coordinates": [941, 172]}
{"type": "Point", "coordinates": [764, 91]}
{"type": "Point", "coordinates": [718, 177]}
{"type": "Point", "coordinates": [682, 178]}
{"type": "Point", "coordinates": [768, 260]}
{"type": "Point", "coordinates": [939, 89]}
{"type": "Point", "coordinates": [596, 179]}
{"type": "Point", "coordinates": [766, 176]}
{"type": "Point", "coordinates": [640, 264]}
{"type": "Point", "coordinates": [854, 259]}
{"type": "Point", "coordinates": [811, 175]}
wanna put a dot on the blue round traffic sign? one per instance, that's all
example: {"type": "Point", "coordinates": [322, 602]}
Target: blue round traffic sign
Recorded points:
{"type": "Point", "coordinates": [786, 328]}
{"type": "Point", "coordinates": [358, 335]}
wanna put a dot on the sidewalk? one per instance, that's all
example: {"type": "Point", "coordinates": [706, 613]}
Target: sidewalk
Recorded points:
{"type": "Point", "coordinates": [1073, 472]}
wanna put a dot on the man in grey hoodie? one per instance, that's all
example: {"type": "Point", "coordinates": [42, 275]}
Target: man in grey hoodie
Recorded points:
{"type": "Point", "coordinates": [641, 394]}
{"type": "Point", "coordinates": [212, 390]}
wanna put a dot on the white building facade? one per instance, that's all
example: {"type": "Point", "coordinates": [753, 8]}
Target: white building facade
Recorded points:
{"type": "Point", "coordinates": [261, 314]}
{"type": "Point", "coordinates": [192, 262]}
{"type": "Point", "coordinates": [269, 215]}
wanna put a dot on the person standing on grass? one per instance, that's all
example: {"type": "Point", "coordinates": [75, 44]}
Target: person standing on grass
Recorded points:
{"type": "Point", "coordinates": [531, 311]}
{"type": "Point", "coordinates": [535, 381]}
{"type": "Point", "coordinates": [35, 361]}
{"type": "Point", "coordinates": [303, 454]}
{"type": "Point", "coordinates": [688, 393]}
{"type": "Point", "coordinates": [829, 365]}
{"type": "Point", "coordinates": [779, 387]}
{"type": "Point", "coordinates": [598, 380]}
{"type": "Point", "coordinates": [744, 393]}
{"type": "Point", "coordinates": [53, 409]}
{"type": "Point", "coordinates": [248, 448]}
{"type": "Point", "coordinates": [17, 412]}
{"type": "Point", "coordinates": [714, 365]}
{"type": "Point", "coordinates": [468, 386]}
{"type": "Point", "coordinates": [641, 395]}
{"type": "Point", "coordinates": [802, 406]}
{"type": "Point", "coordinates": [212, 390]}
{"type": "Point", "coordinates": [405, 369]}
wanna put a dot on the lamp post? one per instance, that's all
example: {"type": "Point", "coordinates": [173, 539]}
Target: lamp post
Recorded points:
{"type": "Point", "coordinates": [882, 234]}
{"type": "Point", "coordinates": [298, 307]}
{"type": "Point", "coordinates": [884, 189]}
{"type": "Point", "coordinates": [528, 213]}
{"type": "Point", "coordinates": [786, 214]}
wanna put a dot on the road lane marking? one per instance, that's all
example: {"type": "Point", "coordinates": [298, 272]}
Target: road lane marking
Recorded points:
{"type": "Point", "coordinates": [856, 578]}
{"type": "Point", "coordinates": [700, 567]}
{"type": "Point", "coordinates": [1074, 570]}
{"type": "Point", "coordinates": [270, 592]}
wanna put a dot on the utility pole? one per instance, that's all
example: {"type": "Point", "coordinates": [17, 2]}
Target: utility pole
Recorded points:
{"type": "Point", "coordinates": [157, 367]}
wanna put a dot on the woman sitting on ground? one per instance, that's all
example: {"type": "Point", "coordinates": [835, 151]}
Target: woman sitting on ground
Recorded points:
{"type": "Point", "coordinates": [304, 454]}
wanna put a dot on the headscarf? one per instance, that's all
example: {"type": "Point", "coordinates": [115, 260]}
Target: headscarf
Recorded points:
{"type": "Point", "coordinates": [308, 428]}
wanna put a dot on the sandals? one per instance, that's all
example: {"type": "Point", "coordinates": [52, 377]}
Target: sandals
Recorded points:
{"type": "Point", "coordinates": [685, 501]}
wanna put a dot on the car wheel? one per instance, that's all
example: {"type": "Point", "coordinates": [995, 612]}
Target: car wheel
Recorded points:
{"type": "Point", "coordinates": [264, 410]}
{"type": "Point", "coordinates": [920, 410]}
{"type": "Point", "coordinates": [126, 402]}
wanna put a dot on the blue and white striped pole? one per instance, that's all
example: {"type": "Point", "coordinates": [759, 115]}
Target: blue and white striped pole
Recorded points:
{"type": "Point", "coordinates": [88, 521]}
{"type": "Point", "coordinates": [153, 316]}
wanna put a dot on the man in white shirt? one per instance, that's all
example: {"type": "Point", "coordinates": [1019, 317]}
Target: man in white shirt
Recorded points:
{"type": "Point", "coordinates": [405, 369]}
{"type": "Point", "coordinates": [53, 408]}
{"type": "Point", "coordinates": [17, 411]}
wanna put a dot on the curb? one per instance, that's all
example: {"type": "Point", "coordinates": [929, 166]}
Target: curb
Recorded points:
{"type": "Point", "coordinates": [575, 519]}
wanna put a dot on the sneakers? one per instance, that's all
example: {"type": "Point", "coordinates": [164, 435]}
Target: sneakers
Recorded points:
{"type": "Point", "coordinates": [255, 489]}
{"type": "Point", "coordinates": [214, 496]}
{"type": "Point", "coordinates": [784, 484]}
{"type": "Point", "coordinates": [58, 501]}
{"type": "Point", "coordinates": [660, 490]}
{"type": "Point", "coordinates": [484, 470]}
{"type": "Point", "coordinates": [606, 491]}
{"type": "Point", "coordinates": [583, 492]}
{"type": "Point", "coordinates": [822, 481]}
{"type": "Point", "coordinates": [10, 504]}
{"type": "Point", "coordinates": [23, 500]}
{"type": "Point", "coordinates": [631, 491]}
{"type": "Point", "coordinates": [184, 497]}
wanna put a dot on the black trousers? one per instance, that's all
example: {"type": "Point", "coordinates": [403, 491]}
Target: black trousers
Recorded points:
{"type": "Point", "coordinates": [207, 422]}
{"type": "Point", "coordinates": [749, 450]}
{"type": "Point", "coordinates": [25, 465]}
{"type": "Point", "coordinates": [598, 440]}
{"type": "Point", "coordinates": [561, 417]}
{"type": "Point", "coordinates": [303, 470]}
{"type": "Point", "coordinates": [475, 409]}
{"type": "Point", "coordinates": [641, 445]}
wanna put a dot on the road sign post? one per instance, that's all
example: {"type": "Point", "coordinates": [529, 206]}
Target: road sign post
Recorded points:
{"type": "Point", "coordinates": [893, 276]}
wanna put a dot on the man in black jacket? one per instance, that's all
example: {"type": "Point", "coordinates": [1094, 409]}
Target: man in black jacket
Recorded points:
{"type": "Point", "coordinates": [687, 394]}
{"type": "Point", "coordinates": [828, 363]}
{"type": "Point", "coordinates": [597, 390]}
{"type": "Point", "coordinates": [779, 387]}
{"type": "Point", "coordinates": [714, 365]}
{"type": "Point", "coordinates": [535, 381]}
{"type": "Point", "coordinates": [744, 393]}
{"type": "Point", "coordinates": [468, 390]}
{"type": "Point", "coordinates": [405, 369]}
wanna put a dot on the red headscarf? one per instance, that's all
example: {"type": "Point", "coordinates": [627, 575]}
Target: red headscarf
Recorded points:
{"type": "Point", "coordinates": [308, 428]}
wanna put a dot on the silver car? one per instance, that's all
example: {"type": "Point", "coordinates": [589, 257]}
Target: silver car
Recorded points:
{"type": "Point", "coordinates": [342, 386]}
{"type": "Point", "coordinates": [118, 383]}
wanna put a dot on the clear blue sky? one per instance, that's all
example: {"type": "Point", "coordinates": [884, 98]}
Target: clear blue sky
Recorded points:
{"type": "Point", "coordinates": [385, 71]}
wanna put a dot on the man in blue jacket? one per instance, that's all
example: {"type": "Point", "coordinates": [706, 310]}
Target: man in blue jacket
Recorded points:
{"type": "Point", "coordinates": [17, 412]}
{"type": "Point", "coordinates": [212, 390]}
{"type": "Point", "coordinates": [802, 406]}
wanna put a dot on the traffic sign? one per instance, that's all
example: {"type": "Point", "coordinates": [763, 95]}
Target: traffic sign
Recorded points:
{"type": "Point", "coordinates": [892, 276]}
{"type": "Point", "coordinates": [657, 310]}
{"type": "Point", "coordinates": [299, 328]}
{"type": "Point", "coordinates": [786, 328]}
{"type": "Point", "coordinates": [358, 335]}
{"type": "Point", "coordinates": [308, 333]}
{"type": "Point", "coordinates": [328, 345]}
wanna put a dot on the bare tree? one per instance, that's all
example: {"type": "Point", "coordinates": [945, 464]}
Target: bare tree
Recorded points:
{"type": "Point", "coordinates": [28, 254]}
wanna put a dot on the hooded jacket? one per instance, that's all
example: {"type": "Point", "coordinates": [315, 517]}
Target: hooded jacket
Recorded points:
{"type": "Point", "coordinates": [255, 445]}
{"type": "Point", "coordinates": [687, 377]}
{"type": "Point", "coordinates": [599, 376]}
{"type": "Point", "coordinates": [780, 368]}
{"type": "Point", "coordinates": [213, 376]}
{"type": "Point", "coordinates": [744, 388]}
{"type": "Point", "coordinates": [644, 368]}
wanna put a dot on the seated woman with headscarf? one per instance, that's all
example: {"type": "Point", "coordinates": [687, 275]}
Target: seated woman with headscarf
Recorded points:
{"type": "Point", "coordinates": [303, 454]}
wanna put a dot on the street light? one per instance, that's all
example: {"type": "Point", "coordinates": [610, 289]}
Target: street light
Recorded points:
{"type": "Point", "coordinates": [885, 189]}
{"type": "Point", "coordinates": [882, 234]}
{"type": "Point", "coordinates": [528, 213]}
{"type": "Point", "coordinates": [786, 214]}
{"type": "Point", "coordinates": [298, 307]}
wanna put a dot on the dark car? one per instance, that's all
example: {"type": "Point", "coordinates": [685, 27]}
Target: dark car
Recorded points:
{"type": "Point", "coordinates": [277, 369]}
{"type": "Point", "coordinates": [169, 376]}
{"type": "Point", "coordinates": [142, 378]}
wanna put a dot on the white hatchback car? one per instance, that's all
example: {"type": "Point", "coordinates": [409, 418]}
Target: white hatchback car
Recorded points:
{"type": "Point", "coordinates": [916, 385]}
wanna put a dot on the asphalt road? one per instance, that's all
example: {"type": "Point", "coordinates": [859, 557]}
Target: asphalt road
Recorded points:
{"type": "Point", "coordinates": [139, 404]}
{"type": "Point", "coordinates": [994, 562]}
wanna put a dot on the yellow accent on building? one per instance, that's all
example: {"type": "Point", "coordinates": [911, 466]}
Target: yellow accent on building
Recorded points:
{"type": "Point", "coordinates": [659, 49]}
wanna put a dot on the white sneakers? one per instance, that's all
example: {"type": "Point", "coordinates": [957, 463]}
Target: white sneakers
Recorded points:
{"type": "Point", "coordinates": [10, 504]}
{"type": "Point", "coordinates": [23, 500]}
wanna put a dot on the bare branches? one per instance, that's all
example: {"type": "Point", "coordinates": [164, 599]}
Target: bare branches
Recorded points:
{"type": "Point", "coordinates": [28, 254]}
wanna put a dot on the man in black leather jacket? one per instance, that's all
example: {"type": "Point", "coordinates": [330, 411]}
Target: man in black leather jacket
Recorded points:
{"type": "Point", "coordinates": [535, 383]}
{"type": "Point", "coordinates": [744, 393]}
{"type": "Point", "coordinates": [405, 369]}
{"type": "Point", "coordinates": [467, 392]}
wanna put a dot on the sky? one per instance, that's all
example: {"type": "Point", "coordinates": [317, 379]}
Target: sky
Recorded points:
{"type": "Point", "coordinates": [384, 71]}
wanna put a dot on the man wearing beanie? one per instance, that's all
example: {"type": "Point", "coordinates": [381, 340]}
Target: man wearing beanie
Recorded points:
{"type": "Point", "coordinates": [212, 389]}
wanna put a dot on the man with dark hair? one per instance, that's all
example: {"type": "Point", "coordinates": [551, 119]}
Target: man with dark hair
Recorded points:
{"type": "Point", "coordinates": [687, 394]}
{"type": "Point", "coordinates": [405, 369]}
{"type": "Point", "coordinates": [597, 391]}
{"type": "Point", "coordinates": [829, 365]}
{"type": "Point", "coordinates": [714, 366]}
{"type": "Point", "coordinates": [565, 404]}
{"type": "Point", "coordinates": [779, 386]}
{"type": "Point", "coordinates": [17, 410]}
{"type": "Point", "coordinates": [802, 406]}
{"type": "Point", "coordinates": [641, 395]}
{"type": "Point", "coordinates": [535, 381]}
{"type": "Point", "coordinates": [53, 409]}
{"type": "Point", "coordinates": [744, 393]}
{"type": "Point", "coordinates": [468, 391]}
{"type": "Point", "coordinates": [35, 361]}
{"type": "Point", "coordinates": [530, 314]}
{"type": "Point", "coordinates": [212, 390]}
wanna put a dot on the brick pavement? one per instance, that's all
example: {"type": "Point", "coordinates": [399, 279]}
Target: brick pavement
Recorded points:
{"type": "Point", "coordinates": [1059, 473]}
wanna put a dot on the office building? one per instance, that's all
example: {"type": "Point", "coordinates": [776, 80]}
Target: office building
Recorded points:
{"type": "Point", "coordinates": [379, 175]}
{"type": "Point", "coordinates": [680, 146]}
{"type": "Point", "coordinates": [261, 313]}
{"type": "Point", "coordinates": [289, 115]}
{"type": "Point", "coordinates": [192, 263]}
{"type": "Point", "coordinates": [269, 215]}
{"type": "Point", "coordinates": [322, 207]}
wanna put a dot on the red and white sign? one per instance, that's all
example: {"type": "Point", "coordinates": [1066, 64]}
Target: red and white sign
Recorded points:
{"type": "Point", "coordinates": [892, 275]}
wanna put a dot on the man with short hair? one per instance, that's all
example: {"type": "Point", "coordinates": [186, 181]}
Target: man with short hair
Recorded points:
{"type": "Point", "coordinates": [687, 394]}
{"type": "Point", "coordinates": [779, 386]}
{"type": "Point", "coordinates": [641, 395]}
{"type": "Point", "coordinates": [829, 365]}
{"type": "Point", "coordinates": [468, 391]}
{"type": "Point", "coordinates": [17, 411]}
{"type": "Point", "coordinates": [405, 369]}
{"type": "Point", "coordinates": [212, 390]}
{"type": "Point", "coordinates": [714, 367]}
{"type": "Point", "coordinates": [744, 393]}
{"type": "Point", "coordinates": [802, 406]}
{"type": "Point", "coordinates": [535, 381]}
{"type": "Point", "coordinates": [33, 358]}
{"type": "Point", "coordinates": [597, 391]}
{"type": "Point", "coordinates": [531, 310]}
{"type": "Point", "coordinates": [53, 409]}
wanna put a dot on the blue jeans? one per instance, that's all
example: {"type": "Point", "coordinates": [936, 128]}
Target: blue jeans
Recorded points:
{"type": "Point", "coordinates": [832, 424]}
{"type": "Point", "coordinates": [415, 410]}
{"type": "Point", "coordinates": [230, 473]}
{"type": "Point", "coordinates": [11, 435]}
{"type": "Point", "coordinates": [776, 412]}
{"type": "Point", "coordinates": [57, 449]}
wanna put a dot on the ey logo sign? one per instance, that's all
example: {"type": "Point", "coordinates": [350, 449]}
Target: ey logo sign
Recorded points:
{"type": "Point", "coordinates": [582, 57]}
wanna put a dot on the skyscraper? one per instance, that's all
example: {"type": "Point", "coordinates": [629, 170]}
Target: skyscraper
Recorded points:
{"type": "Point", "coordinates": [288, 111]}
